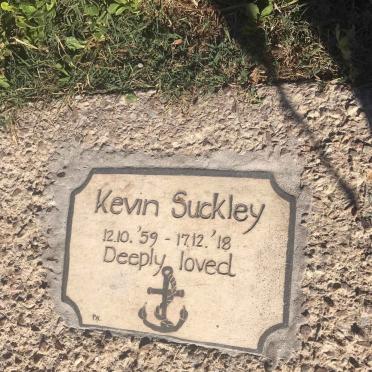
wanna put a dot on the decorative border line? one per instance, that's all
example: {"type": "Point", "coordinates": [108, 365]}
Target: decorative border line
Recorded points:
{"type": "Point", "coordinates": [201, 173]}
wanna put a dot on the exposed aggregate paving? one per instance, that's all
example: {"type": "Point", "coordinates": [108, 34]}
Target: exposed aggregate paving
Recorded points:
{"type": "Point", "coordinates": [325, 127]}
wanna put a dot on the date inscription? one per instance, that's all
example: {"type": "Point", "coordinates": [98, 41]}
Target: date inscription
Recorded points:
{"type": "Point", "coordinates": [189, 240]}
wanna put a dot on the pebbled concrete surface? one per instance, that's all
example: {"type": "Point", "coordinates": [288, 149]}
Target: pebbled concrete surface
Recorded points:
{"type": "Point", "coordinates": [323, 127]}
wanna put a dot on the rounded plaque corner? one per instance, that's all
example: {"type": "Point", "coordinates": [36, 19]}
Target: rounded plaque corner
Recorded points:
{"type": "Point", "coordinates": [67, 300]}
{"type": "Point", "coordinates": [280, 191]}
{"type": "Point", "coordinates": [85, 183]}
{"type": "Point", "coordinates": [265, 335]}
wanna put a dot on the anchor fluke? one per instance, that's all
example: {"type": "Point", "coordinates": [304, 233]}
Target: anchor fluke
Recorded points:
{"type": "Point", "coordinates": [142, 312]}
{"type": "Point", "coordinates": [184, 314]}
{"type": "Point", "coordinates": [168, 293]}
{"type": "Point", "coordinates": [158, 313]}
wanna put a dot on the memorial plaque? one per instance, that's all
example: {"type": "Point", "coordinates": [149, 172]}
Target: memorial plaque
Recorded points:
{"type": "Point", "coordinates": [199, 256]}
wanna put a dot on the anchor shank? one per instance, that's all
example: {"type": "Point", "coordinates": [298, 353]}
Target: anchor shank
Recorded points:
{"type": "Point", "coordinates": [165, 291]}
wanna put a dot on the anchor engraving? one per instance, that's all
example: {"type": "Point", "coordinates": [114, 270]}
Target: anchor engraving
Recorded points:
{"type": "Point", "coordinates": [168, 292]}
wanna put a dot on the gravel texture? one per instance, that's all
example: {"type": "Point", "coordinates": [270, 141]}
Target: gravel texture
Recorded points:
{"type": "Point", "coordinates": [322, 126]}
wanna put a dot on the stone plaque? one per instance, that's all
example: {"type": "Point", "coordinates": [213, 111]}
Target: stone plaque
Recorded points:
{"type": "Point", "coordinates": [198, 256]}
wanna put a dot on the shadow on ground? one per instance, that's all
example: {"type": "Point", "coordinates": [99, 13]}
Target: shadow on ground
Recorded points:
{"type": "Point", "coordinates": [345, 30]}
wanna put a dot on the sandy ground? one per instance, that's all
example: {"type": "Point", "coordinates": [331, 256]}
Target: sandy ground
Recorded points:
{"type": "Point", "coordinates": [324, 127]}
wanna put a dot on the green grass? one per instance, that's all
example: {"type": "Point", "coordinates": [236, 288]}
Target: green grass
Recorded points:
{"type": "Point", "coordinates": [52, 48]}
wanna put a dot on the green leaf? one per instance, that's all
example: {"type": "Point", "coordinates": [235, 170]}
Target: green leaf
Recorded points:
{"type": "Point", "coordinates": [74, 44]}
{"type": "Point", "coordinates": [91, 10]}
{"type": "Point", "coordinates": [6, 6]}
{"type": "Point", "coordinates": [21, 22]}
{"type": "Point", "coordinates": [60, 68]}
{"type": "Point", "coordinates": [64, 81]}
{"type": "Point", "coordinates": [267, 10]}
{"type": "Point", "coordinates": [50, 6]}
{"type": "Point", "coordinates": [130, 97]}
{"type": "Point", "coordinates": [113, 8]}
{"type": "Point", "coordinates": [4, 82]}
{"type": "Point", "coordinates": [27, 9]}
{"type": "Point", "coordinates": [120, 10]}
{"type": "Point", "coordinates": [128, 4]}
{"type": "Point", "coordinates": [252, 11]}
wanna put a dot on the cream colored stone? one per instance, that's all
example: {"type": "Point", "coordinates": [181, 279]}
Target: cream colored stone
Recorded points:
{"type": "Point", "coordinates": [235, 294]}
